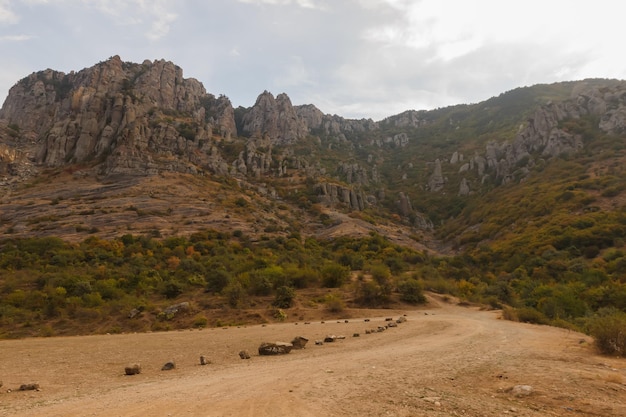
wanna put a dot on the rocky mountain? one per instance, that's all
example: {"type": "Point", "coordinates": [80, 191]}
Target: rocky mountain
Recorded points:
{"type": "Point", "coordinates": [119, 120]}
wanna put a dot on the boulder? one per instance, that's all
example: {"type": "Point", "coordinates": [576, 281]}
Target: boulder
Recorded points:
{"type": "Point", "coordinates": [133, 369]}
{"type": "Point", "coordinates": [276, 348]}
{"type": "Point", "coordinates": [299, 342]}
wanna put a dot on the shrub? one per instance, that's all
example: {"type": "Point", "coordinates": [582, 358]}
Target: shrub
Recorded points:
{"type": "Point", "coordinates": [411, 291]}
{"type": "Point", "coordinates": [200, 321]}
{"type": "Point", "coordinates": [284, 297]}
{"type": "Point", "coordinates": [530, 315]}
{"type": "Point", "coordinates": [334, 275]}
{"type": "Point", "coordinates": [234, 293]}
{"type": "Point", "coordinates": [334, 303]}
{"type": "Point", "coordinates": [608, 329]}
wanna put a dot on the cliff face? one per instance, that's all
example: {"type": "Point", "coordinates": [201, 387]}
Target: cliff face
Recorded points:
{"type": "Point", "coordinates": [128, 116]}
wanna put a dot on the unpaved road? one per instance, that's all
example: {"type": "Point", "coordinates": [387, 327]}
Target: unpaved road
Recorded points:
{"type": "Point", "coordinates": [445, 360]}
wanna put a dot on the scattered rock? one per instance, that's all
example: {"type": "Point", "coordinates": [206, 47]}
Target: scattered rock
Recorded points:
{"type": "Point", "coordinates": [276, 348]}
{"type": "Point", "coordinates": [174, 309]}
{"type": "Point", "coordinates": [244, 354]}
{"type": "Point", "coordinates": [135, 312]}
{"type": "Point", "coordinates": [168, 366]}
{"type": "Point", "coordinates": [299, 342]}
{"type": "Point", "coordinates": [29, 387]}
{"type": "Point", "coordinates": [521, 390]}
{"type": "Point", "coordinates": [133, 369]}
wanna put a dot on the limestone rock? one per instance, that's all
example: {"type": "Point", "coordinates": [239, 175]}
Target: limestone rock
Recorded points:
{"type": "Point", "coordinates": [436, 180]}
{"type": "Point", "coordinates": [276, 348]}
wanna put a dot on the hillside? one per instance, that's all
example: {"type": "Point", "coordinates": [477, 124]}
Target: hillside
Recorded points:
{"type": "Point", "coordinates": [121, 168]}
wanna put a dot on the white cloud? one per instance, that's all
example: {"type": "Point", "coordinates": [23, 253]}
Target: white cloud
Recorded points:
{"type": "Point", "coordinates": [15, 38]}
{"type": "Point", "coordinates": [157, 14]}
{"type": "Point", "coordinates": [306, 4]}
{"type": "Point", "coordinates": [6, 14]}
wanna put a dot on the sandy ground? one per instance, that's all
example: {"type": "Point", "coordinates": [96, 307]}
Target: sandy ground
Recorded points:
{"type": "Point", "coordinates": [445, 360]}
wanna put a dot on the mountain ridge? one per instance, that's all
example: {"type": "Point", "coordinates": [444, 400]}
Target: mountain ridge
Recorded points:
{"type": "Point", "coordinates": [120, 118]}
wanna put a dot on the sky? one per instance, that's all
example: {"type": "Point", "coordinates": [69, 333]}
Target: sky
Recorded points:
{"type": "Point", "coordinates": [354, 58]}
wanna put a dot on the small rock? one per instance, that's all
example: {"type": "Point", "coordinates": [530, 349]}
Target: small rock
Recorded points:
{"type": "Point", "coordinates": [203, 360]}
{"type": "Point", "coordinates": [168, 366]}
{"type": "Point", "coordinates": [356, 335]}
{"type": "Point", "coordinates": [133, 369]}
{"type": "Point", "coordinates": [521, 390]}
{"type": "Point", "coordinates": [319, 342]}
{"type": "Point", "coordinates": [29, 387]}
{"type": "Point", "coordinates": [330, 338]}
{"type": "Point", "coordinates": [299, 342]}
{"type": "Point", "coordinates": [244, 355]}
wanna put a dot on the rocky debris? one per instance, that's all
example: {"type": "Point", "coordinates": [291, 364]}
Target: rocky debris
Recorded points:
{"type": "Point", "coordinates": [135, 312]}
{"type": "Point", "coordinates": [521, 390]}
{"type": "Point", "coordinates": [133, 369]}
{"type": "Point", "coordinates": [174, 309]}
{"type": "Point", "coordinates": [168, 366]}
{"type": "Point", "coordinates": [244, 354]}
{"type": "Point", "coordinates": [299, 342]}
{"type": "Point", "coordinates": [29, 387]}
{"type": "Point", "coordinates": [276, 348]}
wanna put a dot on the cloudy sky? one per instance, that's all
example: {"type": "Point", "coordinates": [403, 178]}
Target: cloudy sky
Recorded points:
{"type": "Point", "coordinates": [355, 58]}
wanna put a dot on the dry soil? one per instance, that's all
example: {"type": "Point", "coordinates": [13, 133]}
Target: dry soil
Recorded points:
{"type": "Point", "coordinates": [445, 360]}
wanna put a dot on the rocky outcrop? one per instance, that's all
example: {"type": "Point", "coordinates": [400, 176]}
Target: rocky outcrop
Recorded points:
{"type": "Point", "coordinates": [436, 181]}
{"type": "Point", "coordinates": [128, 118]}
{"type": "Point", "coordinates": [333, 194]}
{"type": "Point", "coordinates": [275, 119]}
{"type": "Point", "coordinates": [543, 135]}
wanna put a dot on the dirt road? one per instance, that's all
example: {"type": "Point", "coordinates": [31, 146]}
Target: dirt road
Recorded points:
{"type": "Point", "coordinates": [445, 360]}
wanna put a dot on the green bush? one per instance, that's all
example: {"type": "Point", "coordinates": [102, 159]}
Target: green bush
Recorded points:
{"type": "Point", "coordinates": [284, 297]}
{"type": "Point", "coordinates": [608, 329]}
{"type": "Point", "coordinates": [524, 315]}
{"type": "Point", "coordinates": [334, 303]}
{"type": "Point", "coordinates": [411, 291]}
{"type": "Point", "coordinates": [334, 275]}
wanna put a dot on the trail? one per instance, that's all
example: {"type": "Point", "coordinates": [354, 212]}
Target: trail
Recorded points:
{"type": "Point", "coordinates": [445, 360]}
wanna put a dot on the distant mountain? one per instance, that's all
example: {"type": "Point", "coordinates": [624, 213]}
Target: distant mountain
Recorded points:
{"type": "Point", "coordinates": [126, 124]}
